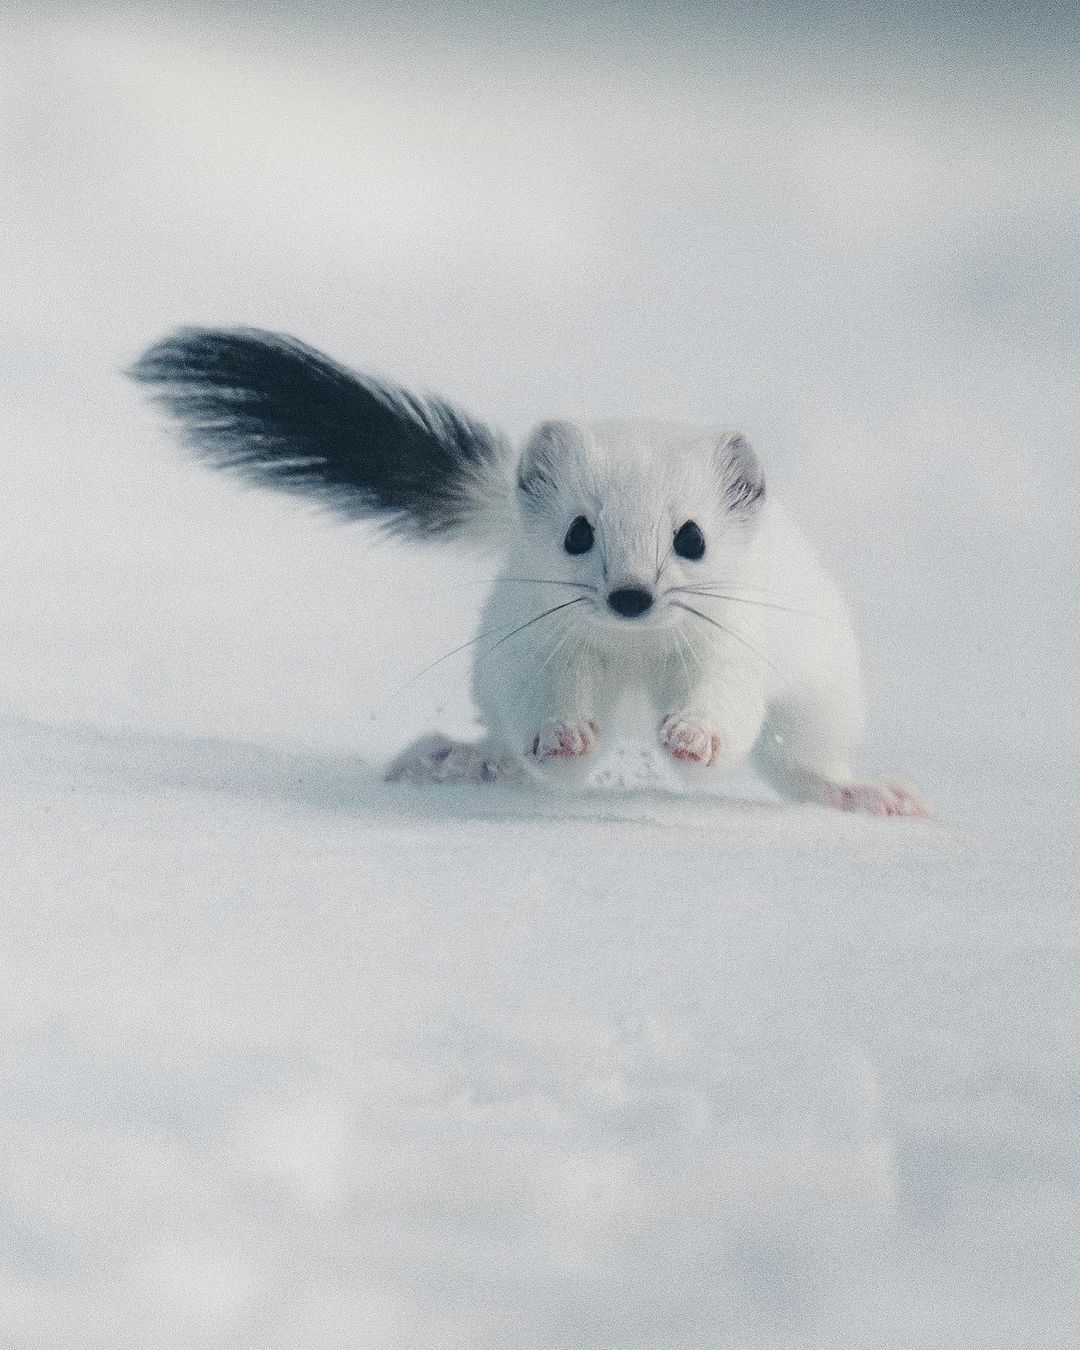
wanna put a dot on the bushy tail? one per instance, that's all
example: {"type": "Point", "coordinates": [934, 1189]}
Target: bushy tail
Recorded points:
{"type": "Point", "coordinates": [281, 414]}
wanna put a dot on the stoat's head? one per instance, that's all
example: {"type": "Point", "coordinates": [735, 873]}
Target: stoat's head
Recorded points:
{"type": "Point", "coordinates": [641, 515]}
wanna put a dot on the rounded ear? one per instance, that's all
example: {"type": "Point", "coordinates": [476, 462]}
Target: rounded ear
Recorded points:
{"type": "Point", "coordinates": [740, 472]}
{"type": "Point", "coordinates": [545, 451]}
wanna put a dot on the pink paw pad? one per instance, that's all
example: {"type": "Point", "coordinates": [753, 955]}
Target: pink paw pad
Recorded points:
{"type": "Point", "coordinates": [689, 741]}
{"type": "Point", "coordinates": [564, 740]}
{"type": "Point", "coordinates": [874, 799]}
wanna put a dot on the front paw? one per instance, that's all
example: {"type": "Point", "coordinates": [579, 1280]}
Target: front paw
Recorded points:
{"type": "Point", "coordinates": [564, 740]}
{"type": "Point", "coordinates": [689, 740]}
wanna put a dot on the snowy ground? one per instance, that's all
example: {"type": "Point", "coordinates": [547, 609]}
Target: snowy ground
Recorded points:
{"type": "Point", "coordinates": [298, 1060]}
{"type": "Point", "coordinates": [293, 1060]}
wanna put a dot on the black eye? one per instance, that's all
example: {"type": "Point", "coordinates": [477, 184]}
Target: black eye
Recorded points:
{"type": "Point", "coordinates": [689, 541]}
{"type": "Point", "coordinates": [579, 537]}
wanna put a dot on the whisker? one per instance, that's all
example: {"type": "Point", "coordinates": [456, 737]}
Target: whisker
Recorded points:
{"type": "Point", "coordinates": [479, 637]}
{"type": "Point", "coordinates": [733, 587]}
{"type": "Point", "coordinates": [550, 581]}
{"type": "Point", "coordinates": [532, 581]}
{"type": "Point", "coordinates": [699, 660]}
{"type": "Point", "coordinates": [732, 633]}
{"type": "Point", "coordinates": [528, 624]}
{"type": "Point", "coordinates": [568, 634]}
{"type": "Point", "coordinates": [682, 646]}
{"type": "Point", "coordinates": [660, 564]}
{"type": "Point", "coordinates": [445, 657]}
{"type": "Point", "coordinates": [744, 600]}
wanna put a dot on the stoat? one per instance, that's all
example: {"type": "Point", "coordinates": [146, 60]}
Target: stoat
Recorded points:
{"type": "Point", "coordinates": [636, 556]}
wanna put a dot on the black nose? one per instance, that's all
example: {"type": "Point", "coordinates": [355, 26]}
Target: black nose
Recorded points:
{"type": "Point", "coordinates": [630, 602]}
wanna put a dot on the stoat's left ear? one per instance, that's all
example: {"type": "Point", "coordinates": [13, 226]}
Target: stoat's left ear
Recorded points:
{"type": "Point", "coordinates": [741, 475]}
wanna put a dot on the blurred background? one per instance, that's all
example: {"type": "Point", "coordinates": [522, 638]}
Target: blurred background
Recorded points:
{"type": "Point", "coordinates": [854, 232]}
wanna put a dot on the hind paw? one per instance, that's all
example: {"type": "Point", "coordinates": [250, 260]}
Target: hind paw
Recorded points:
{"type": "Point", "coordinates": [891, 798]}
{"type": "Point", "coordinates": [437, 759]}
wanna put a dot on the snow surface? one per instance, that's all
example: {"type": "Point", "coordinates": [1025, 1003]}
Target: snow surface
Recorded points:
{"type": "Point", "coordinates": [294, 1060]}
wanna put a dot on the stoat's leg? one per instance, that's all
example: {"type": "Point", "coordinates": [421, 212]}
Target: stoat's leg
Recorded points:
{"type": "Point", "coordinates": [714, 718]}
{"type": "Point", "coordinates": [562, 727]}
{"type": "Point", "coordinates": [799, 763]}
{"type": "Point", "coordinates": [437, 759]}
{"type": "Point", "coordinates": [546, 701]}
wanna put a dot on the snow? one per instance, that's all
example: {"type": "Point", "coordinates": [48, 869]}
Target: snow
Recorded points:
{"type": "Point", "coordinates": [299, 1059]}
{"type": "Point", "coordinates": [293, 1058]}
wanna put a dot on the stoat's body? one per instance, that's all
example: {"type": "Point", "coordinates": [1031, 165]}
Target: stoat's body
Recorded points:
{"type": "Point", "coordinates": [637, 556]}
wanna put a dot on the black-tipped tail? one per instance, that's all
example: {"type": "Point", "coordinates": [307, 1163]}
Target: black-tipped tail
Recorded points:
{"type": "Point", "coordinates": [275, 410]}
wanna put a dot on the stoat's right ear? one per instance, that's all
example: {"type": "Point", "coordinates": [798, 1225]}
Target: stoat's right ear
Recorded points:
{"type": "Point", "coordinates": [545, 453]}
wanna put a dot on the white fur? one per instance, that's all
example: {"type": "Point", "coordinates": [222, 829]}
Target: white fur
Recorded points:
{"type": "Point", "coordinates": [774, 674]}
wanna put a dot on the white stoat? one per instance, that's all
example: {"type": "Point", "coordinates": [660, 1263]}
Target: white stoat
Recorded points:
{"type": "Point", "coordinates": [636, 556]}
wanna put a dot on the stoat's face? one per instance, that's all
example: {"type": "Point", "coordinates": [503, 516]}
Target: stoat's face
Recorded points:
{"type": "Point", "coordinates": [643, 518]}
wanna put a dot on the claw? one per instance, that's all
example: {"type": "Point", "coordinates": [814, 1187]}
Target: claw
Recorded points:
{"type": "Point", "coordinates": [565, 740]}
{"type": "Point", "coordinates": [689, 741]}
